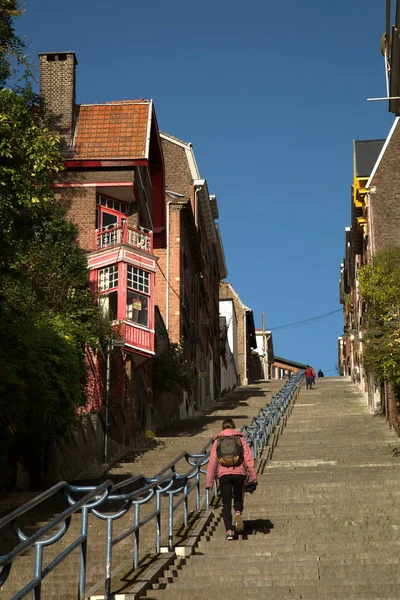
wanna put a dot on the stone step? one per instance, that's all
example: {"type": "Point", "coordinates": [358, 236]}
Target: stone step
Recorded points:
{"type": "Point", "coordinates": [372, 557]}
{"type": "Point", "coordinates": [283, 571]}
{"type": "Point", "coordinates": [280, 593]}
{"type": "Point", "coordinates": [353, 589]}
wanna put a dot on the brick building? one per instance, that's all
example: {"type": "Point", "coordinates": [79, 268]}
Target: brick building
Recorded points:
{"type": "Point", "coordinates": [189, 271]}
{"type": "Point", "coordinates": [356, 254]}
{"type": "Point", "coordinates": [113, 189]}
{"type": "Point", "coordinates": [376, 214]}
{"type": "Point", "coordinates": [246, 334]}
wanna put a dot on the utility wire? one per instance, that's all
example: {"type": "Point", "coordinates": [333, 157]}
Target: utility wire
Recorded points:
{"type": "Point", "coordinates": [305, 321]}
{"type": "Point", "coordinates": [163, 274]}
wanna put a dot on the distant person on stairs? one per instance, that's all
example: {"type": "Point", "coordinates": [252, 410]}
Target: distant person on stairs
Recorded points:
{"type": "Point", "coordinates": [321, 373]}
{"type": "Point", "coordinates": [309, 377]}
{"type": "Point", "coordinates": [232, 462]}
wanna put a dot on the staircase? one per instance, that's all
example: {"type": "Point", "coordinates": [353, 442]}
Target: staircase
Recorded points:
{"type": "Point", "coordinates": [324, 523]}
{"type": "Point", "coordinates": [187, 435]}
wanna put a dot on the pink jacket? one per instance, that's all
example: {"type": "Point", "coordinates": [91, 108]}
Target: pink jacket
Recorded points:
{"type": "Point", "coordinates": [246, 468]}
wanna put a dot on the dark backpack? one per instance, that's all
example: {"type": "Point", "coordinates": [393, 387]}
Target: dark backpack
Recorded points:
{"type": "Point", "coordinates": [230, 450]}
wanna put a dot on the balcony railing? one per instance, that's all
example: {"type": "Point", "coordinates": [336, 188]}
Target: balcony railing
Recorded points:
{"type": "Point", "coordinates": [135, 336]}
{"type": "Point", "coordinates": [114, 235]}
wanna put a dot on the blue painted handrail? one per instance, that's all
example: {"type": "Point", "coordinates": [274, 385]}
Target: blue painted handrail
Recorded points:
{"type": "Point", "coordinates": [167, 483]}
{"type": "Point", "coordinates": [39, 542]}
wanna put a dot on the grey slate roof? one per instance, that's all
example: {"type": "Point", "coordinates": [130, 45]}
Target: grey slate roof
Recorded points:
{"type": "Point", "coordinates": [366, 154]}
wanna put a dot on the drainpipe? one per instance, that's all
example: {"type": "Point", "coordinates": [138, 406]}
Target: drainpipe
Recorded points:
{"type": "Point", "coordinates": [196, 210]}
{"type": "Point", "coordinates": [167, 268]}
{"type": "Point", "coordinates": [245, 379]}
{"type": "Point", "coordinates": [371, 224]}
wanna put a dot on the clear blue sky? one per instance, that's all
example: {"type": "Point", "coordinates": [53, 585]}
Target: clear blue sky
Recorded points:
{"type": "Point", "coordinates": [271, 95]}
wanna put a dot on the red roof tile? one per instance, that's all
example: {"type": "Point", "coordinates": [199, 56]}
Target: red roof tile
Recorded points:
{"type": "Point", "coordinates": [112, 130]}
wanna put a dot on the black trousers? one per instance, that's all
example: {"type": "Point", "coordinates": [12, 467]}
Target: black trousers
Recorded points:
{"type": "Point", "coordinates": [231, 485]}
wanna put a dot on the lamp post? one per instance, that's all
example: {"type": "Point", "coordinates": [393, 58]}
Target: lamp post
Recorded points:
{"type": "Point", "coordinates": [111, 344]}
{"type": "Point", "coordinates": [108, 377]}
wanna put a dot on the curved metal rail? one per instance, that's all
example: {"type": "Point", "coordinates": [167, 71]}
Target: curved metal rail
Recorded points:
{"type": "Point", "coordinates": [168, 483]}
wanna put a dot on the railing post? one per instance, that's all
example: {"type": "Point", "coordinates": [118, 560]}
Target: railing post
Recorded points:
{"type": "Point", "coordinates": [158, 520]}
{"type": "Point", "coordinates": [198, 490]}
{"type": "Point", "coordinates": [136, 537]}
{"type": "Point", "coordinates": [185, 505]}
{"type": "Point", "coordinates": [107, 581]}
{"type": "Point", "coordinates": [83, 553]}
{"type": "Point", "coordinates": [171, 523]}
{"type": "Point", "coordinates": [37, 591]}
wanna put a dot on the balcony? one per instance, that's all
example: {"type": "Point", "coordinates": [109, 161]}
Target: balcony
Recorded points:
{"type": "Point", "coordinates": [116, 235]}
{"type": "Point", "coordinates": [137, 339]}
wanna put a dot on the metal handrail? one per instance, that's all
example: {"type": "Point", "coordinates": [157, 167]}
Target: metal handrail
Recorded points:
{"type": "Point", "coordinates": [168, 482]}
{"type": "Point", "coordinates": [152, 486]}
{"type": "Point", "coordinates": [98, 494]}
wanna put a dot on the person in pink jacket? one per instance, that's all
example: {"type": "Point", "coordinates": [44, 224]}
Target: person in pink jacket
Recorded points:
{"type": "Point", "coordinates": [231, 479]}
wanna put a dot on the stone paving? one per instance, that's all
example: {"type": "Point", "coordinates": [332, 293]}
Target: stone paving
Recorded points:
{"type": "Point", "coordinates": [324, 523]}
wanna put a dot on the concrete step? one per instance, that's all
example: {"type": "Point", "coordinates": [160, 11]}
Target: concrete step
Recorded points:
{"type": "Point", "coordinates": [353, 589]}
{"type": "Point", "coordinates": [319, 592]}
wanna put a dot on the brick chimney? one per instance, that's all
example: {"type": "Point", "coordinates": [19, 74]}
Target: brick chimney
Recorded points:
{"type": "Point", "coordinates": [57, 88]}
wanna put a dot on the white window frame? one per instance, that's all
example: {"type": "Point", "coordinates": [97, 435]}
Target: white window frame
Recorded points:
{"type": "Point", "coordinates": [108, 278]}
{"type": "Point", "coordinates": [138, 280]}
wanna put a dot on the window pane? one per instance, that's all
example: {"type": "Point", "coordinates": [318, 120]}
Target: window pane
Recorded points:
{"type": "Point", "coordinates": [137, 308]}
{"type": "Point", "coordinates": [109, 220]}
{"type": "Point", "coordinates": [108, 278]}
{"type": "Point", "coordinates": [139, 280]}
{"type": "Point", "coordinates": [109, 305]}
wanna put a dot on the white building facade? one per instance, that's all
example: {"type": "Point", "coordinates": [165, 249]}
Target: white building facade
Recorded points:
{"type": "Point", "coordinates": [229, 346]}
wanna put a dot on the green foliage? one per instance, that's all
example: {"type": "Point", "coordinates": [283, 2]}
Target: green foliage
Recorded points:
{"type": "Point", "coordinates": [380, 289]}
{"type": "Point", "coordinates": [48, 316]}
{"type": "Point", "coordinates": [171, 372]}
{"type": "Point", "coordinates": [42, 384]}
{"type": "Point", "coordinates": [12, 48]}
{"type": "Point", "coordinates": [29, 159]}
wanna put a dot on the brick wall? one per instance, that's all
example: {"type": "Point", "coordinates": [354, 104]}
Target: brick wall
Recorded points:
{"type": "Point", "coordinates": [385, 202]}
{"type": "Point", "coordinates": [172, 273]}
{"type": "Point", "coordinates": [80, 204]}
{"type": "Point", "coordinates": [177, 172]}
{"type": "Point", "coordinates": [196, 317]}
{"type": "Point", "coordinates": [166, 405]}
{"type": "Point", "coordinates": [57, 88]}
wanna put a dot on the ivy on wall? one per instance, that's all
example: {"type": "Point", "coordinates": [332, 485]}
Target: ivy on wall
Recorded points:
{"type": "Point", "coordinates": [380, 288]}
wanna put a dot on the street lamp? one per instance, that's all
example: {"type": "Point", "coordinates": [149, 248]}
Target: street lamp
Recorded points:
{"type": "Point", "coordinates": [111, 344]}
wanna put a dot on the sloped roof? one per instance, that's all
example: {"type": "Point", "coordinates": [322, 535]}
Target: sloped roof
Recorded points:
{"type": "Point", "coordinates": [366, 154]}
{"type": "Point", "coordinates": [113, 130]}
{"type": "Point", "coordinates": [291, 363]}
